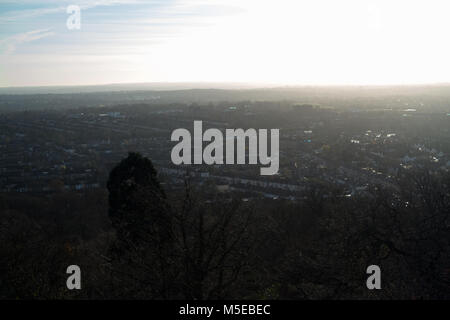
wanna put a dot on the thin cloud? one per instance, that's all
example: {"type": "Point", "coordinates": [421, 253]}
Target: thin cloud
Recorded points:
{"type": "Point", "coordinates": [19, 15]}
{"type": "Point", "coordinates": [9, 44]}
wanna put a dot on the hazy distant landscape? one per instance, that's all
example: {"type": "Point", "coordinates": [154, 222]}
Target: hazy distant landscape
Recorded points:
{"type": "Point", "coordinates": [363, 178]}
{"type": "Point", "coordinates": [430, 98]}
{"type": "Point", "coordinates": [238, 151]}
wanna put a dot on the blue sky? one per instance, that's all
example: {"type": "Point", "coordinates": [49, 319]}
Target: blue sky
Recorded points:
{"type": "Point", "coordinates": [115, 36]}
{"type": "Point", "coordinates": [283, 41]}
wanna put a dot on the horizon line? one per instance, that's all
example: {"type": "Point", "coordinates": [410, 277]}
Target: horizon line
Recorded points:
{"type": "Point", "coordinates": [254, 85]}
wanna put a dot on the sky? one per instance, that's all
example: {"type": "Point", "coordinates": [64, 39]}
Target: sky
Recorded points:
{"type": "Point", "coordinates": [286, 42]}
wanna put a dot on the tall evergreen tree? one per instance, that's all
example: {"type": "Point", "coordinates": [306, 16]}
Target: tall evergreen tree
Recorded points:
{"type": "Point", "coordinates": [139, 213]}
{"type": "Point", "coordinates": [137, 203]}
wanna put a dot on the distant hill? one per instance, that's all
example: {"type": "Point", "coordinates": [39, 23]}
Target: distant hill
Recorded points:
{"type": "Point", "coordinates": [422, 98]}
{"type": "Point", "coordinates": [158, 86]}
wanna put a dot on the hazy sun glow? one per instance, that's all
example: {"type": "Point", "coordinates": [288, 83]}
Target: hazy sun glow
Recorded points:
{"type": "Point", "coordinates": [283, 41]}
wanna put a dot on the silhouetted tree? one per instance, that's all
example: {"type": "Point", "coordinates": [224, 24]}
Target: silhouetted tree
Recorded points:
{"type": "Point", "coordinates": [215, 243]}
{"type": "Point", "coordinates": [141, 256]}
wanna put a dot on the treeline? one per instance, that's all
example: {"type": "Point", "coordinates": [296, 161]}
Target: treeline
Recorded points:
{"type": "Point", "coordinates": [137, 241]}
